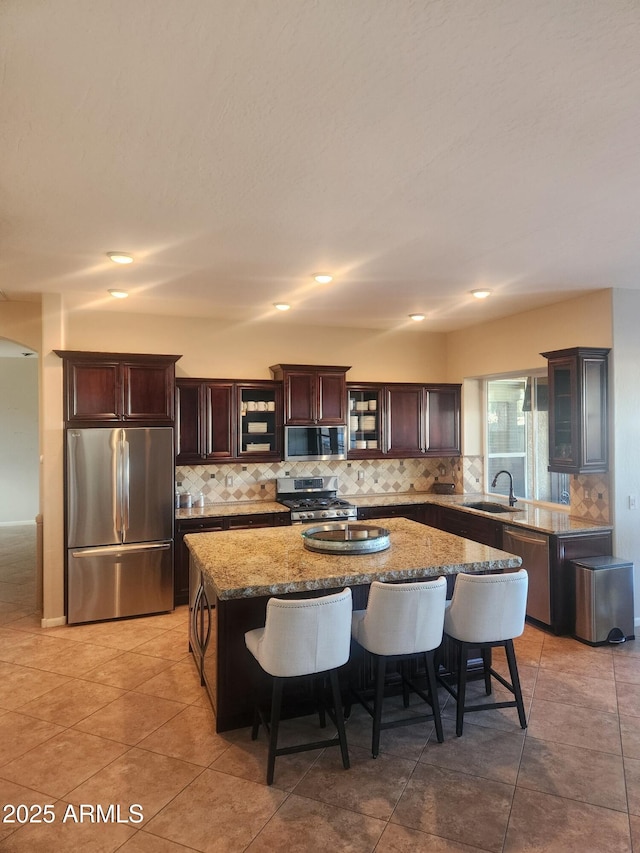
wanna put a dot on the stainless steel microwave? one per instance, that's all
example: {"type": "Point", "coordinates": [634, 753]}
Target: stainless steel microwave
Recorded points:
{"type": "Point", "coordinates": [311, 443]}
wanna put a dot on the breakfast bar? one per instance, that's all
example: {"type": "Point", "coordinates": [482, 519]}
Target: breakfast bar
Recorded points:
{"type": "Point", "coordinates": [234, 573]}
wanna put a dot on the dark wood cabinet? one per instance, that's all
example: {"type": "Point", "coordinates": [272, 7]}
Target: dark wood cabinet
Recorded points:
{"type": "Point", "coordinates": [365, 420]}
{"type": "Point", "coordinates": [407, 420]}
{"type": "Point", "coordinates": [107, 388]}
{"type": "Point", "coordinates": [313, 394]}
{"type": "Point", "coordinates": [405, 416]}
{"type": "Point", "coordinates": [578, 440]}
{"type": "Point", "coordinates": [181, 553]}
{"type": "Point", "coordinates": [224, 420]}
{"type": "Point", "coordinates": [204, 421]}
{"type": "Point", "coordinates": [564, 548]}
{"type": "Point", "coordinates": [443, 420]}
{"type": "Point", "coordinates": [414, 512]}
{"type": "Point", "coordinates": [470, 526]}
{"type": "Point", "coordinates": [212, 524]}
{"type": "Point", "coordinates": [259, 405]}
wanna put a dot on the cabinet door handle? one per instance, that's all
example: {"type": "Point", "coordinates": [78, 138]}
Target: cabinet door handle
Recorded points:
{"type": "Point", "coordinates": [195, 615]}
{"type": "Point", "coordinates": [208, 607]}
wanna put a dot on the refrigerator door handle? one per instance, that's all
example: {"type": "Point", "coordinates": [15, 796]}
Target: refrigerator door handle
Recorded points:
{"type": "Point", "coordinates": [105, 550]}
{"type": "Point", "coordinates": [125, 486]}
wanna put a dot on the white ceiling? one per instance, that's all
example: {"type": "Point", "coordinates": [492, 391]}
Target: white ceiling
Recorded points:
{"type": "Point", "coordinates": [414, 148]}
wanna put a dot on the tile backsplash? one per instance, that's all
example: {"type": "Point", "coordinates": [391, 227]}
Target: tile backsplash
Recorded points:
{"type": "Point", "coordinates": [254, 482]}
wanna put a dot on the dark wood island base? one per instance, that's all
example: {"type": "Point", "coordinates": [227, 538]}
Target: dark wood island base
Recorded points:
{"type": "Point", "coordinates": [234, 573]}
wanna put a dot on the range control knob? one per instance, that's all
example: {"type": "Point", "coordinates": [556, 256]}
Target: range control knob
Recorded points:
{"type": "Point", "coordinates": [325, 514]}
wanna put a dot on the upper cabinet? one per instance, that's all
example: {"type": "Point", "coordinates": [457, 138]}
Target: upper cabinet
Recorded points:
{"type": "Point", "coordinates": [442, 437]}
{"type": "Point", "coordinates": [313, 394]}
{"type": "Point", "coordinates": [405, 417]}
{"type": "Point", "coordinates": [578, 441]}
{"type": "Point", "coordinates": [404, 420]}
{"type": "Point", "coordinates": [365, 420]}
{"type": "Point", "coordinates": [103, 388]}
{"type": "Point", "coordinates": [222, 419]}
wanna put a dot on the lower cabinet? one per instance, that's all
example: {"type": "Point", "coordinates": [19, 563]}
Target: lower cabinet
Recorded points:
{"type": "Point", "coordinates": [211, 525]}
{"type": "Point", "coordinates": [414, 512]}
{"type": "Point", "coordinates": [475, 527]}
{"type": "Point", "coordinates": [564, 548]}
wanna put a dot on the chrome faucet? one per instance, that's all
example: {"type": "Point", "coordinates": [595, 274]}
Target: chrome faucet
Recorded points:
{"type": "Point", "coordinates": [512, 499]}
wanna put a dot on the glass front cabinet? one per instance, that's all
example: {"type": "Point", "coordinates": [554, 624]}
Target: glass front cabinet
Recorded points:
{"type": "Point", "coordinates": [260, 419]}
{"type": "Point", "coordinates": [364, 420]}
{"type": "Point", "coordinates": [578, 439]}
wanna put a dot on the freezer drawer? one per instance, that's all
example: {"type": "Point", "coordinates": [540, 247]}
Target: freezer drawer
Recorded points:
{"type": "Point", "coordinates": [115, 581]}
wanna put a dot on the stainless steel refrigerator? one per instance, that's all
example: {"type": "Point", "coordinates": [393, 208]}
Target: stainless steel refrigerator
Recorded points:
{"type": "Point", "coordinates": [119, 522]}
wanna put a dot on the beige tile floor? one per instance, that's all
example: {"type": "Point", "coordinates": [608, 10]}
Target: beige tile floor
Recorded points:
{"type": "Point", "coordinates": [114, 714]}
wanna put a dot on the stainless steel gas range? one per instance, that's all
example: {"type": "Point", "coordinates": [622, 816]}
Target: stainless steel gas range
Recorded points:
{"type": "Point", "coordinates": [313, 499]}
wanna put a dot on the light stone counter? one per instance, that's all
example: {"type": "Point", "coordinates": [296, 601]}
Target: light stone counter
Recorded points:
{"type": "Point", "coordinates": [218, 510]}
{"type": "Point", "coordinates": [527, 514]}
{"type": "Point", "coordinates": [274, 561]}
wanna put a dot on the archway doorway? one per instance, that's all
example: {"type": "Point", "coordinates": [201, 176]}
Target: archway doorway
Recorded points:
{"type": "Point", "coordinates": [19, 481]}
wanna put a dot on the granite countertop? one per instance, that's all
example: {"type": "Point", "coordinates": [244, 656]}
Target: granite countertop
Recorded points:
{"type": "Point", "coordinates": [528, 515]}
{"type": "Point", "coordinates": [235, 508]}
{"type": "Point", "coordinates": [274, 561]}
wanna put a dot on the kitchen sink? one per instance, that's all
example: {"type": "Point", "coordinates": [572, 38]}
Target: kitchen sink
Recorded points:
{"type": "Point", "coordinates": [489, 506]}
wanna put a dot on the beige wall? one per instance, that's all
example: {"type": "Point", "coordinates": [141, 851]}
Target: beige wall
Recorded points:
{"type": "Point", "coordinates": [213, 349]}
{"type": "Point", "coordinates": [515, 343]}
{"type": "Point", "coordinates": [19, 468]}
{"type": "Point", "coordinates": [20, 322]}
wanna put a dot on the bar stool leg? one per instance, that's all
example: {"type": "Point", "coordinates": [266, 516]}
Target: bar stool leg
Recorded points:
{"type": "Point", "coordinates": [337, 706]}
{"type": "Point", "coordinates": [276, 702]}
{"type": "Point", "coordinates": [404, 669]}
{"type": "Point", "coordinates": [433, 694]}
{"type": "Point", "coordinates": [462, 687]}
{"type": "Point", "coordinates": [515, 682]}
{"type": "Point", "coordinates": [486, 666]}
{"type": "Point", "coordinates": [256, 723]}
{"type": "Point", "coordinates": [377, 705]}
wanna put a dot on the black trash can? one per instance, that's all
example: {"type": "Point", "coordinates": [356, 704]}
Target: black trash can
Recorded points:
{"type": "Point", "coordinates": [604, 600]}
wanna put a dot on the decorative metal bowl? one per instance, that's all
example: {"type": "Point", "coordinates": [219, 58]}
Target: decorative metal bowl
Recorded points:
{"type": "Point", "coordinates": [346, 538]}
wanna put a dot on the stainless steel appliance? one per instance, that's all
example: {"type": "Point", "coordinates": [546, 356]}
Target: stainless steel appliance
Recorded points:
{"type": "Point", "coordinates": [313, 498]}
{"type": "Point", "coordinates": [119, 522]}
{"type": "Point", "coordinates": [534, 549]}
{"type": "Point", "coordinates": [604, 600]}
{"type": "Point", "coordinates": [315, 443]}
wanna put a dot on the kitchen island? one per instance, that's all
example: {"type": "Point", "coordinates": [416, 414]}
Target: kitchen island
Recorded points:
{"type": "Point", "coordinates": [234, 573]}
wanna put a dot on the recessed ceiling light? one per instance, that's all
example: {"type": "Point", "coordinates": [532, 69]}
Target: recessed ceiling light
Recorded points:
{"type": "Point", "coordinates": [417, 317]}
{"type": "Point", "coordinates": [282, 306]}
{"type": "Point", "coordinates": [118, 294]}
{"type": "Point", "coordinates": [120, 257]}
{"type": "Point", "coordinates": [481, 294]}
{"type": "Point", "coordinates": [323, 277]}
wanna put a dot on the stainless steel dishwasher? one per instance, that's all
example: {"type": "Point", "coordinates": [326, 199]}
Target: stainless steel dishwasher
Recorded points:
{"type": "Point", "coordinates": [534, 549]}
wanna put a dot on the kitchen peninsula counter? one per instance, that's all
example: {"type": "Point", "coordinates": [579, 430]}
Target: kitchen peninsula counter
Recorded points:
{"type": "Point", "coordinates": [530, 515]}
{"type": "Point", "coordinates": [234, 573]}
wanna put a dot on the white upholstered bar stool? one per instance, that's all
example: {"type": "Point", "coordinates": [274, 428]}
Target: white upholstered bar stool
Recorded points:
{"type": "Point", "coordinates": [486, 611]}
{"type": "Point", "coordinates": [303, 637]}
{"type": "Point", "coordinates": [401, 620]}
